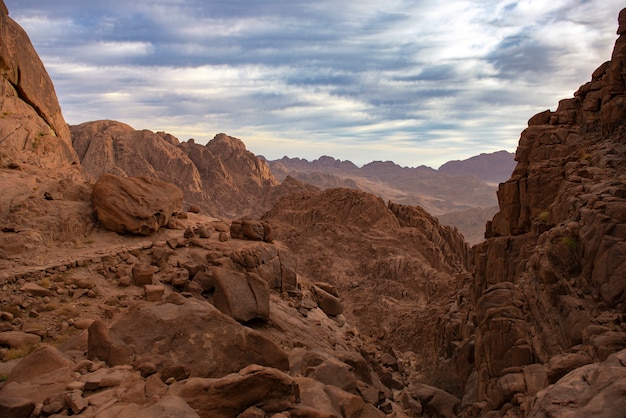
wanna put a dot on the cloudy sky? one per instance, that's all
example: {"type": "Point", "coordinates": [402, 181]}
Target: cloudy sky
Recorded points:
{"type": "Point", "coordinates": [412, 81]}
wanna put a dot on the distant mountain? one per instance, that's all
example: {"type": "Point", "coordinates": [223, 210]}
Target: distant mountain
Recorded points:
{"type": "Point", "coordinates": [494, 167]}
{"type": "Point", "coordinates": [436, 191]}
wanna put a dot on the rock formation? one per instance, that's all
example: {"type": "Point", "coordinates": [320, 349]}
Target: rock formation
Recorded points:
{"type": "Point", "coordinates": [32, 128]}
{"type": "Point", "coordinates": [44, 198]}
{"type": "Point", "coordinates": [221, 178]}
{"type": "Point", "coordinates": [549, 289]}
{"type": "Point", "coordinates": [113, 147]}
{"type": "Point", "coordinates": [139, 205]}
{"type": "Point", "coordinates": [395, 268]}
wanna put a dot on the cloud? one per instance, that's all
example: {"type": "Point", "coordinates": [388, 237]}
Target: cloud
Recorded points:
{"type": "Point", "coordinates": [417, 82]}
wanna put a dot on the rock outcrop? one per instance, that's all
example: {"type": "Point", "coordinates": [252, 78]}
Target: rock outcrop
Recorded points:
{"type": "Point", "coordinates": [44, 198]}
{"type": "Point", "coordinates": [549, 289]}
{"type": "Point", "coordinates": [113, 147]}
{"type": "Point", "coordinates": [32, 128]}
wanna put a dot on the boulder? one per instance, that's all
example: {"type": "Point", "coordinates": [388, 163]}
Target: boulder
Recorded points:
{"type": "Point", "coordinates": [18, 339]}
{"type": "Point", "coordinates": [137, 205]}
{"type": "Point", "coordinates": [184, 332]}
{"type": "Point", "coordinates": [243, 297]}
{"type": "Point", "coordinates": [143, 273]}
{"type": "Point", "coordinates": [251, 230]}
{"type": "Point", "coordinates": [34, 289]}
{"type": "Point", "coordinates": [594, 390]}
{"type": "Point", "coordinates": [44, 359]}
{"type": "Point", "coordinates": [330, 304]}
{"type": "Point", "coordinates": [435, 401]}
{"type": "Point", "coordinates": [234, 393]}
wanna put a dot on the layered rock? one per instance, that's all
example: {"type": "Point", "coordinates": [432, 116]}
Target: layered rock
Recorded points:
{"type": "Point", "coordinates": [549, 287]}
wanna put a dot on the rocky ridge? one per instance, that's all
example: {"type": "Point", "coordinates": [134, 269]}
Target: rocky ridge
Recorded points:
{"type": "Point", "coordinates": [548, 294]}
{"type": "Point", "coordinates": [222, 178]}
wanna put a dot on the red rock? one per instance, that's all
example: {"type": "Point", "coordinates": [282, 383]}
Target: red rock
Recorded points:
{"type": "Point", "coordinates": [137, 205]}
{"type": "Point", "coordinates": [233, 394]}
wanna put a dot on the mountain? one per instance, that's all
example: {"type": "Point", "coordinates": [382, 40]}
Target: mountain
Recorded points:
{"type": "Point", "coordinates": [222, 177]}
{"type": "Point", "coordinates": [436, 192]}
{"type": "Point", "coordinates": [494, 167]}
{"type": "Point", "coordinates": [545, 333]}
{"type": "Point", "coordinates": [455, 193]}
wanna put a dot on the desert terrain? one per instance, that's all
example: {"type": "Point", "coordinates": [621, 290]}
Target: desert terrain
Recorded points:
{"type": "Point", "coordinates": [145, 276]}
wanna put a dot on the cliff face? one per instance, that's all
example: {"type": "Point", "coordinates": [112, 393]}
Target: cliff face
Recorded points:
{"type": "Point", "coordinates": [549, 291]}
{"type": "Point", "coordinates": [32, 128]}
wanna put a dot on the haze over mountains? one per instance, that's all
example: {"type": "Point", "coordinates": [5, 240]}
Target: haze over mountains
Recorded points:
{"type": "Point", "coordinates": [144, 276]}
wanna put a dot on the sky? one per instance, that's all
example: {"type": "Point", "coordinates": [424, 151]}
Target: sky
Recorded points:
{"type": "Point", "coordinates": [417, 82]}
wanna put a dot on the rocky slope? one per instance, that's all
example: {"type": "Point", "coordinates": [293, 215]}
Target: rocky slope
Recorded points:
{"type": "Point", "coordinates": [398, 270]}
{"type": "Point", "coordinates": [548, 294]}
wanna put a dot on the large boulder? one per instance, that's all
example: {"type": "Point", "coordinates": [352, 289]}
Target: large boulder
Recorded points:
{"type": "Point", "coordinates": [192, 334]}
{"type": "Point", "coordinates": [236, 392]}
{"type": "Point", "coordinates": [243, 297]}
{"type": "Point", "coordinates": [137, 205]}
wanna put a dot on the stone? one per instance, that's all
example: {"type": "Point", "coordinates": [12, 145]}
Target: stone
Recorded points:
{"type": "Point", "coordinates": [435, 401]}
{"type": "Point", "coordinates": [592, 390]}
{"type": "Point", "coordinates": [331, 305]}
{"type": "Point", "coordinates": [561, 364]}
{"type": "Point", "coordinates": [334, 372]}
{"type": "Point", "coordinates": [143, 274]}
{"type": "Point", "coordinates": [234, 393]}
{"type": "Point", "coordinates": [34, 289]}
{"type": "Point", "coordinates": [154, 293]}
{"type": "Point", "coordinates": [251, 230]}
{"type": "Point", "coordinates": [43, 360]}
{"type": "Point", "coordinates": [83, 323]}
{"type": "Point", "coordinates": [15, 407]}
{"type": "Point", "coordinates": [137, 205]}
{"type": "Point", "coordinates": [75, 401]}
{"type": "Point", "coordinates": [18, 339]}
{"type": "Point", "coordinates": [242, 297]}
{"type": "Point", "coordinates": [199, 328]}
{"type": "Point", "coordinates": [168, 406]}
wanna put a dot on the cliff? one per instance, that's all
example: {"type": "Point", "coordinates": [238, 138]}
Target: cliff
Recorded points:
{"type": "Point", "coordinates": [548, 294]}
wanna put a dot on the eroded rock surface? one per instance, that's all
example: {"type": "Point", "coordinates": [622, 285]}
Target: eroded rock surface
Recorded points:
{"type": "Point", "coordinates": [136, 205]}
{"type": "Point", "coordinates": [549, 291]}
